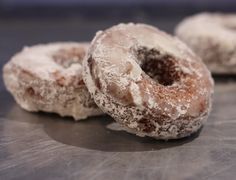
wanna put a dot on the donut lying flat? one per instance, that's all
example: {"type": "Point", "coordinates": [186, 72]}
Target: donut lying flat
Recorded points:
{"type": "Point", "coordinates": [148, 81]}
{"type": "Point", "coordinates": [49, 78]}
{"type": "Point", "coordinates": [213, 38]}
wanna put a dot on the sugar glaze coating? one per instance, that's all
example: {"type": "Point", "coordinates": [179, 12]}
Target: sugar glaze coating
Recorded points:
{"type": "Point", "coordinates": [48, 78]}
{"type": "Point", "coordinates": [212, 37]}
{"type": "Point", "coordinates": [148, 81]}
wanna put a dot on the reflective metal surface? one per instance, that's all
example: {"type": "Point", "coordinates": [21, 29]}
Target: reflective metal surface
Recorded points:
{"type": "Point", "coordinates": [46, 146]}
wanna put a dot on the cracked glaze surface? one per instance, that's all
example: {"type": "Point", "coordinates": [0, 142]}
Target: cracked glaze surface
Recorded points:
{"type": "Point", "coordinates": [167, 105]}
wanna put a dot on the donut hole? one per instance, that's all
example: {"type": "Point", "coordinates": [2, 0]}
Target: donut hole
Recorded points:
{"type": "Point", "coordinates": [67, 57]}
{"type": "Point", "coordinates": [161, 68]}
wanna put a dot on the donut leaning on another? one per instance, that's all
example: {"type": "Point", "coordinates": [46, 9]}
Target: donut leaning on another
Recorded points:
{"type": "Point", "coordinates": [48, 78]}
{"type": "Point", "coordinates": [148, 81]}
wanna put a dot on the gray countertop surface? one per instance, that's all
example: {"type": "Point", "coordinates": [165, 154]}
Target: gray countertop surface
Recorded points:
{"type": "Point", "coordinates": [46, 146]}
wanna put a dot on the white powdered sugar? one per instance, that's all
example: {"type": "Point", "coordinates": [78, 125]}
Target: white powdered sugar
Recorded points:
{"type": "Point", "coordinates": [135, 92]}
{"type": "Point", "coordinates": [212, 37]}
{"type": "Point", "coordinates": [39, 82]}
{"type": "Point", "coordinates": [120, 87]}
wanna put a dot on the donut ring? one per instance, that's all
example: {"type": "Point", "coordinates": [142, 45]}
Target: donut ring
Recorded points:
{"type": "Point", "coordinates": [49, 78]}
{"type": "Point", "coordinates": [212, 37]}
{"type": "Point", "coordinates": [148, 81]}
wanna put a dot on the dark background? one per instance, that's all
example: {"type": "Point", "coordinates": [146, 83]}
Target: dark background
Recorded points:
{"type": "Point", "coordinates": [28, 22]}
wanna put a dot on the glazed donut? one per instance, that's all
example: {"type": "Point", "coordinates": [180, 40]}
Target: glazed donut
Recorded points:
{"type": "Point", "coordinates": [148, 81]}
{"type": "Point", "coordinates": [212, 37]}
{"type": "Point", "coordinates": [48, 78]}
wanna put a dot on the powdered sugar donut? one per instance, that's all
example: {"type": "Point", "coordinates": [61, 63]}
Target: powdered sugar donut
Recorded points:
{"type": "Point", "coordinates": [148, 81]}
{"type": "Point", "coordinates": [48, 78]}
{"type": "Point", "coordinates": [212, 37]}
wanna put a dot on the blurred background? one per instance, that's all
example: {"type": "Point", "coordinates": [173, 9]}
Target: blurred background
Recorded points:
{"type": "Point", "coordinates": [28, 22]}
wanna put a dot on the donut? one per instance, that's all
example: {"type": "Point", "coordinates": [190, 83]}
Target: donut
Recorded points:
{"type": "Point", "coordinates": [148, 81]}
{"type": "Point", "coordinates": [48, 77]}
{"type": "Point", "coordinates": [212, 37]}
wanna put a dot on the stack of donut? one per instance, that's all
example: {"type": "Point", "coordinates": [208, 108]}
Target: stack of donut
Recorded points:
{"type": "Point", "coordinates": [151, 83]}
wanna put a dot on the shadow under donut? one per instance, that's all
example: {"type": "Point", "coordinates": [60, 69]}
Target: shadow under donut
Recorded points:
{"type": "Point", "coordinates": [93, 133]}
